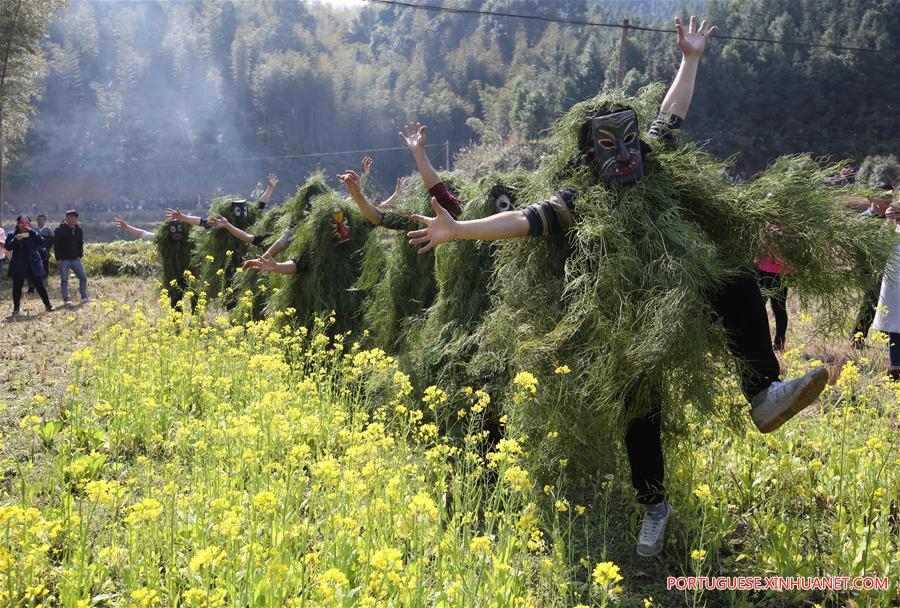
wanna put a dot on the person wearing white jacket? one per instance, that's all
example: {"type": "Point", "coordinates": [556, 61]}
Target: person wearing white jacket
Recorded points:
{"type": "Point", "coordinates": [887, 314]}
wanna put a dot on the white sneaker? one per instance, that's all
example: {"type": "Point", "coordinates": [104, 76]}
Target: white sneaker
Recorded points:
{"type": "Point", "coordinates": [653, 531]}
{"type": "Point", "coordinates": [780, 402]}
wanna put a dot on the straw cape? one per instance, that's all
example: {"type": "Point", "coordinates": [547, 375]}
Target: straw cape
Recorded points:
{"type": "Point", "coordinates": [617, 311]}
{"type": "Point", "coordinates": [217, 254]}
{"type": "Point", "coordinates": [327, 272]}
{"type": "Point", "coordinates": [176, 258]}
{"type": "Point", "coordinates": [405, 287]}
{"type": "Point", "coordinates": [252, 288]}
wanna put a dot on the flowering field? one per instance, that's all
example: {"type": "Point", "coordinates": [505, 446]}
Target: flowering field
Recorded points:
{"type": "Point", "coordinates": [192, 462]}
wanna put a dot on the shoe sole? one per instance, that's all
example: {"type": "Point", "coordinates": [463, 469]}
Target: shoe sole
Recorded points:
{"type": "Point", "coordinates": [650, 554]}
{"type": "Point", "coordinates": [805, 397]}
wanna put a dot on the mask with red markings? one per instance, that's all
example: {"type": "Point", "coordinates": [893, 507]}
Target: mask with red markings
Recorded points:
{"type": "Point", "coordinates": [617, 147]}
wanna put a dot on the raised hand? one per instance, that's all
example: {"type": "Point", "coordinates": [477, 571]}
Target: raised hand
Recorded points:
{"type": "Point", "coordinates": [174, 214]}
{"type": "Point", "coordinates": [218, 222]}
{"type": "Point", "coordinates": [438, 229]}
{"type": "Point", "coordinates": [120, 222]}
{"type": "Point", "coordinates": [693, 42]}
{"type": "Point", "coordinates": [272, 181]}
{"type": "Point", "coordinates": [365, 165]}
{"type": "Point", "coordinates": [413, 136]}
{"type": "Point", "coordinates": [402, 184]}
{"type": "Point", "coordinates": [350, 180]}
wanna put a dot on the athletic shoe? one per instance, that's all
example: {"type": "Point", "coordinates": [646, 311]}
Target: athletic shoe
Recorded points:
{"type": "Point", "coordinates": [780, 402]}
{"type": "Point", "coordinates": [653, 529]}
{"type": "Point", "coordinates": [49, 308]}
{"type": "Point", "coordinates": [67, 303]}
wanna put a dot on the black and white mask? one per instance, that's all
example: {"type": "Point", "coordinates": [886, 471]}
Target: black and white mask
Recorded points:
{"type": "Point", "coordinates": [617, 148]}
{"type": "Point", "coordinates": [241, 214]}
{"type": "Point", "coordinates": [176, 230]}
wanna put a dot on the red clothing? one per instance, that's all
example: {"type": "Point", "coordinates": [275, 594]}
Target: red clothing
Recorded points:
{"type": "Point", "coordinates": [446, 199]}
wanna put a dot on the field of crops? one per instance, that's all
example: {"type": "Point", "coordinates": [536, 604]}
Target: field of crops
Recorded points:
{"type": "Point", "coordinates": [187, 461]}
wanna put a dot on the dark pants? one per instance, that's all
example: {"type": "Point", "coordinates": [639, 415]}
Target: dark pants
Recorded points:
{"type": "Point", "coordinates": [771, 287]}
{"type": "Point", "coordinates": [32, 281]}
{"type": "Point", "coordinates": [894, 350]}
{"type": "Point", "coordinates": [866, 313]}
{"type": "Point", "coordinates": [38, 284]}
{"type": "Point", "coordinates": [742, 310]}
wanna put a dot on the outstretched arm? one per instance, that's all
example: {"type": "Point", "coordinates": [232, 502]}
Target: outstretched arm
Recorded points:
{"type": "Point", "coordinates": [692, 44]}
{"type": "Point", "coordinates": [271, 182]}
{"type": "Point", "coordinates": [281, 244]}
{"type": "Point", "coordinates": [443, 228]}
{"type": "Point", "coordinates": [136, 232]}
{"type": "Point", "coordinates": [267, 264]}
{"type": "Point", "coordinates": [218, 222]}
{"type": "Point", "coordinates": [413, 136]}
{"type": "Point", "coordinates": [351, 182]}
{"type": "Point", "coordinates": [176, 214]}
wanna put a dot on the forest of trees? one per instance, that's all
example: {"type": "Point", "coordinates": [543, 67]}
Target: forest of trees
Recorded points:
{"type": "Point", "coordinates": [176, 99]}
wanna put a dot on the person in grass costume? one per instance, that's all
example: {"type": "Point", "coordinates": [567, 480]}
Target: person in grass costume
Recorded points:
{"type": "Point", "coordinates": [643, 286]}
{"type": "Point", "coordinates": [175, 248]}
{"type": "Point", "coordinates": [325, 260]}
{"type": "Point", "coordinates": [405, 286]}
{"type": "Point", "coordinates": [215, 265]}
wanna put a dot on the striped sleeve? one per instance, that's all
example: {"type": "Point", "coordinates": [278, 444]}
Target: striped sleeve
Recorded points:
{"type": "Point", "coordinates": [554, 216]}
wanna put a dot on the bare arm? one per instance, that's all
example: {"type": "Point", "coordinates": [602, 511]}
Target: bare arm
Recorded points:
{"type": "Point", "coordinates": [176, 214]}
{"type": "Point", "coordinates": [136, 232]}
{"type": "Point", "coordinates": [413, 136]}
{"type": "Point", "coordinates": [443, 228]}
{"type": "Point", "coordinates": [351, 182]}
{"type": "Point", "coordinates": [271, 182]}
{"type": "Point", "coordinates": [692, 44]}
{"type": "Point", "coordinates": [218, 222]}
{"type": "Point", "coordinates": [281, 244]}
{"type": "Point", "coordinates": [267, 264]}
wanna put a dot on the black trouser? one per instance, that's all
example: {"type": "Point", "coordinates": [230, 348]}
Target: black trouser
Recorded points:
{"type": "Point", "coordinates": [31, 280]}
{"type": "Point", "coordinates": [38, 284]}
{"type": "Point", "coordinates": [775, 290]}
{"type": "Point", "coordinates": [866, 314]}
{"type": "Point", "coordinates": [742, 310]}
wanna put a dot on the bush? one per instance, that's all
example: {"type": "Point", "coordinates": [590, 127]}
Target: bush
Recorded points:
{"type": "Point", "coordinates": [876, 169]}
{"type": "Point", "coordinates": [120, 258]}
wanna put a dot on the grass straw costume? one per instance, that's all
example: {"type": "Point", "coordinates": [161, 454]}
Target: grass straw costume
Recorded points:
{"type": "Point", "coordinates": [326, 260]}
{"type": "Point", "coordinates": [274, 232]}
{"type": "Point", "coordinates": [175, 249]}
{"type": "Point", "coordinates": [645, 284]}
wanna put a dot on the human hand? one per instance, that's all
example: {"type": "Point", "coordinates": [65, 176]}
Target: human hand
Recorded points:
{"type": "Point", "coordinates": [893, 213]}
{"type": "Point", "coordinates": [174, 214]}
{"type": "Point", "coordinates": [693, 42]}
{"type": "Point", "coordinates": [22, 235]}
{"type": "Point", "coordinates": [365, 165]}
{"type": "Point", "coordinates": [350, 180]}
{"type": "Point", "coordinates": [264, 263]}
{"type": "Point", "coordinates": [413, 136]}
{"type": "Point", "coordinates": [272, 181]}
{"type": "Point", "coordinates": [438, 229]}
{"type": "Point", "coordinates": [398, 192]}
{"type": "Point", "coordinates": [218, 222]}
{"type": "Point", "coordinates": [120, 222]}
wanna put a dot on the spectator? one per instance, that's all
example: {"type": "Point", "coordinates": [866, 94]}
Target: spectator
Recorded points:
{"type": "Point", "coordinates": [887, 316]}
{"type": "Point", "coordinates": [46, 232]}
{"type": "Point", "coordinates": [25, 244]}
{"type": "Point", "coordinates": [68, 245]}
{"type": "Point", "coordinates": [2, 255]}
{"type": "Point", "coordinates": [878, 205]}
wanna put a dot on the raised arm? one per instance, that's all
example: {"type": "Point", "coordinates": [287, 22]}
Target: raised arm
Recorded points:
{"type": "Point", "coordinates": [218, 222]}
{"type": "Point", "coordinates": [136, 232]}
{"type": "Point", "coordinates": [692, 44]}
{"type": "Point", "coordinates": [281, 244]}
{"type": "Point", "coordinates": [176, 214]}
{"type": "Point", "coordinates": [351, 182]}
{"type": "Point", "coordinates": [413, 136]}
{"type": "Point", "coordinates": [443, 228]}
{"type": "Point", "coordinates": [271, 182]}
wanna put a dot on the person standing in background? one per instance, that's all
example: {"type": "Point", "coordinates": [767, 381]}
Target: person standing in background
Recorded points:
{"type": "Point", "coordinates": [887, 313]}
{"type": "Point", "coordinates": [46, 232]}
{"type": "Point", "coordinates": [25, 245]}
{"type": "Point", "coordinates": [68, 246]}
{"type": "Point", "coordinates": [878, 206]}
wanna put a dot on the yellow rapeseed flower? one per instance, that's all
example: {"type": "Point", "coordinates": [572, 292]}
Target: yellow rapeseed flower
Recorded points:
{"type": "Point", "coordinates": [606, 574]}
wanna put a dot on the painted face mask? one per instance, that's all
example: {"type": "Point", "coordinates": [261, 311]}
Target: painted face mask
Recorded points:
{"type": "Point", "coordinates": [617, 148]}
{"type": "Point", "coordinates": [341, 230]}
{"type": "Point", "coordinates": [241, 214]}
{"type": "Point", "coordinates": [503, 199]}
{"type": "Point", "coordinates": [176, 230]}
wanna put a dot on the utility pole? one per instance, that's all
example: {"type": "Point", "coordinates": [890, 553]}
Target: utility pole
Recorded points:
{"type": "Point", "coordinates": [447, 154]}
{"type": "Point", "coordinates": [620, 73]}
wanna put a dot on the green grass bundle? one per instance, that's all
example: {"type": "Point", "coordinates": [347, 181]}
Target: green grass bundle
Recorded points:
{"type": "Point", "coordinates": [620, 308]}
{"type": "Point", "coordinates": [406, 287]}
{"type": "Point", "coordinates": [252, 288]}
{"type": "Point", "coordinates": [217, 254]}
{"type": "Point", "coordinates": [175, 245]}
{"type": "Point", "coordinates": [444, 340]}
{"type": "Point", "coordinates": [327, 272]}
